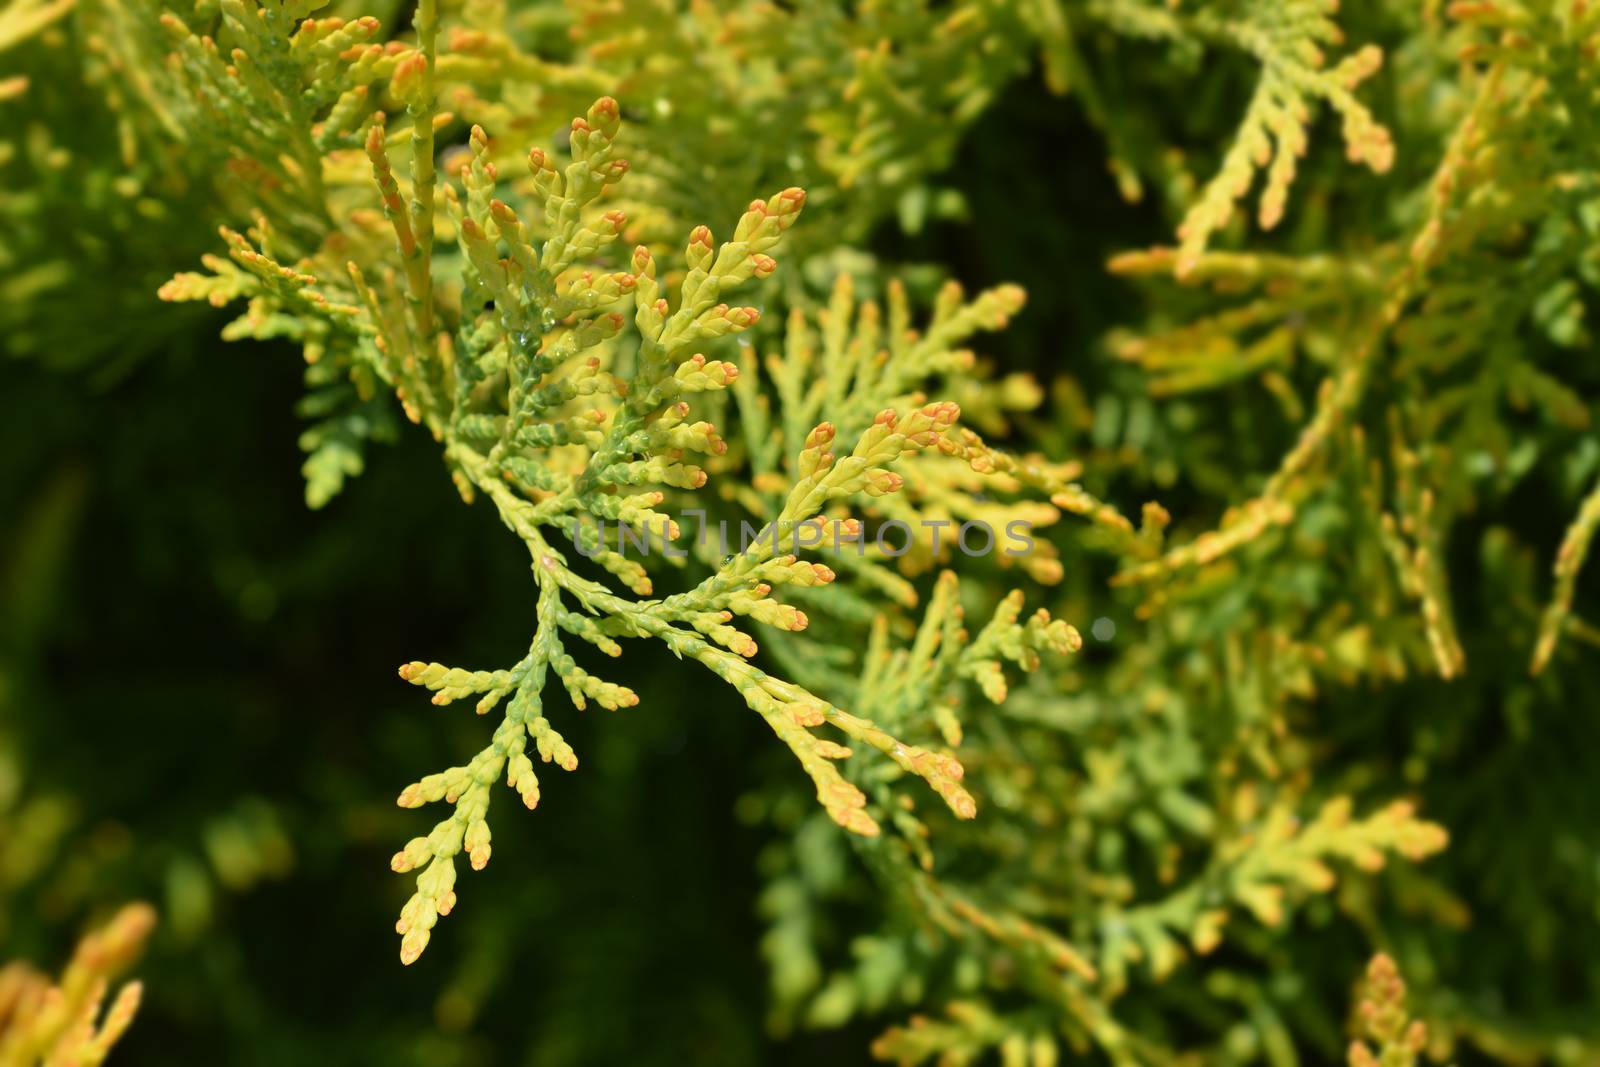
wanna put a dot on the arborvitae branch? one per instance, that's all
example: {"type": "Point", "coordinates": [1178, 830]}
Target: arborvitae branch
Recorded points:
{"type": "Point", "coordinates": [67, 1021]}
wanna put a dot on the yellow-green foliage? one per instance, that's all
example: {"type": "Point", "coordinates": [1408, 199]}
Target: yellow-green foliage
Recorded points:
{"type": "Point", "coordinates": [548, 404]}
{"type": "Point", "coordinates": [1381, 1019]}
{"type": "Point", "coordinates": [604, 333]}
{"type": "Point", "coordinates": [67, 1021]}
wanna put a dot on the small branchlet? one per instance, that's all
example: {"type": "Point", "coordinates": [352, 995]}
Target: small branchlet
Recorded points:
{"type": "Point", "coordinates": [68, 1021]}
{"type": "Point", "coordinates": [1396, 1040]}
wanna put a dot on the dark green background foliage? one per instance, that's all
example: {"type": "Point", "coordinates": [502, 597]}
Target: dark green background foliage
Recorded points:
{"type": "Point", "coordinates": [198, 676]}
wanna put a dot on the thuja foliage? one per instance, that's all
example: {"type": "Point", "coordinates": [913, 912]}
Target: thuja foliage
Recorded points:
{"type": "Point", "coordinates": [1382, 1020]}
{"type": "Point", "coordinates": [68, 1021]}
{"type": "Point", "coordinates": [1292, 481]}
